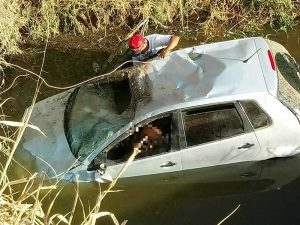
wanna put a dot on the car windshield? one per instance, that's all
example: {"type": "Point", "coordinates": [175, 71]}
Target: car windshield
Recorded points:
{"type": "Point", "coordinates": [94, 113]}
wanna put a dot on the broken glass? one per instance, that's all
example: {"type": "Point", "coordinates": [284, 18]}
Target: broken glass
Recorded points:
{"type": "Point", "coordinates": [98, 111]}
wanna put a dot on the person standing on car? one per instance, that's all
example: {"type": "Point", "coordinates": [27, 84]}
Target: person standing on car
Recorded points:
{"type": "Point", "coordinates": [147, 47]}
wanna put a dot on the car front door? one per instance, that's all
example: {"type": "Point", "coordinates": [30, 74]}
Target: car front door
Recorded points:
{"type": "Point", "coordinates": [217, 135]}
{"type": "Point", "coordinates": [164, 159]}
{"type": "Point", "coordinates": [158, 164]}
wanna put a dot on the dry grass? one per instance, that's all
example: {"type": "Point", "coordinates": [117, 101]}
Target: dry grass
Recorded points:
{"type": "Point", "coordinates": [27, 207]}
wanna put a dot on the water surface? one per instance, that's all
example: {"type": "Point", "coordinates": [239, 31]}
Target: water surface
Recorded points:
{"type": "Point", "coordinates": [267, 191]}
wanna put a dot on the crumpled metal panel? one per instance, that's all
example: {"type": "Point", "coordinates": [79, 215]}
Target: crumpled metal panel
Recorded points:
{"type": "Point", "coordinates": [198, 73]}
{"type": "Point", "coordinates": [51, 152]}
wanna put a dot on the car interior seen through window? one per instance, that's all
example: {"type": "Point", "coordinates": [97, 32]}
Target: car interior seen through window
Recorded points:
{"type": "Point", "coordinates": [206, 125]}
{"type": "Point", "coordinates": [158, 141]}
{"type": "Point", "coordinates": [256, 115]}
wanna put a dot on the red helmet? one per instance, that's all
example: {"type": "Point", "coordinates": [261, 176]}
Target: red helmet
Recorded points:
{"type": "Point", "coordinates": [136, 41]}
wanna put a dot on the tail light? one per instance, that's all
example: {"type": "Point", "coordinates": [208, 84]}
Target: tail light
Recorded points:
{"type": "Point", "coordinates": [272, 62]}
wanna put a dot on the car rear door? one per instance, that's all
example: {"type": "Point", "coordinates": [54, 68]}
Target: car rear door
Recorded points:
{"type": "Point", "coordinates": [216, 135]}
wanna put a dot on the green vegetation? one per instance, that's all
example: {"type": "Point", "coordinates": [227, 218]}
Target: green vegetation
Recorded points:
{"type": "Point", "coordinates": [23, 20]}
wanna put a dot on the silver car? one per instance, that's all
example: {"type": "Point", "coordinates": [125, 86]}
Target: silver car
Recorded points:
{"type": "Point", "coordinates": [213, 104]}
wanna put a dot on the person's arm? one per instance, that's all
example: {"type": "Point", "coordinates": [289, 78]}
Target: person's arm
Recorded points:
{"type": "Point", "coordinates": [135, 60]}
{"type": "Point", "coordinates": [172, 44]}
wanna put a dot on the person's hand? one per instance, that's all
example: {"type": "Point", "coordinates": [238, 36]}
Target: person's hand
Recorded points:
{"type": "Point", "coordinates": [164, 53]}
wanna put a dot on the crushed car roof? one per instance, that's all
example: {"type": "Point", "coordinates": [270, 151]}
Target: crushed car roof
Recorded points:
{"type": "Point", "coordinates": [201, 72]}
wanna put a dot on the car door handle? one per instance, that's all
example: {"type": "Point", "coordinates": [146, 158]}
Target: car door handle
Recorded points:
{"type": "Point", "coordinates": [247, 145]}
{"type": "Point", "coordinates": [168, 164]}
{"type": "Point", "coordinates": [248, 174]}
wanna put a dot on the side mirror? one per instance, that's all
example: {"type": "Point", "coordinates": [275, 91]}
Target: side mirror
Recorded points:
{"type": "Point", "coordinates": [101, 176]}
{"type": "Point", "coordinates": [102, 168]}
{"type": "Point", "coordinates": [98, 163]}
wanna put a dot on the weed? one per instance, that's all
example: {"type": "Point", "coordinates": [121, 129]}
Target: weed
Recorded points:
{"type": "Point", "coordinates": [21, 20]}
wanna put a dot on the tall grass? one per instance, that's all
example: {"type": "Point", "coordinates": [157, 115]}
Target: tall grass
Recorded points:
{"type": "Point", "coordinates": [12, 18]}
{"type": "Point", "coordinates": [21, 20]}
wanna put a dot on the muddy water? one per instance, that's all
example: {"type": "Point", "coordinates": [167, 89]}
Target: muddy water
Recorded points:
{"type": "Point", "coordinates": [268, 191]}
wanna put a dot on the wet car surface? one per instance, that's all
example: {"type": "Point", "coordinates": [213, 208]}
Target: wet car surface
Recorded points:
{"type": "Point", "coordinates": [214, 104]}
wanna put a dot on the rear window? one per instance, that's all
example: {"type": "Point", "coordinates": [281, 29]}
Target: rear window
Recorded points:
{"type": "Point", "coordinates": [256, 115]}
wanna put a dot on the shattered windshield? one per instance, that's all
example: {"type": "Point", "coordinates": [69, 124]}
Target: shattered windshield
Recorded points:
{"type": "Point", "coordinates": [94, 113]}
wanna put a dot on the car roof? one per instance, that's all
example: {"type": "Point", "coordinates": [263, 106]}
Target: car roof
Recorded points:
{"type": "Point", "coordinates": [217, 70]}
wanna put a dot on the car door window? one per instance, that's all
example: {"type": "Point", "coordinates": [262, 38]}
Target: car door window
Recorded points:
{"type": "Point", "coordinates": [256, 115]}
{"type": "Point", "coordinates": [207, 125]}
{"type": "Point", "coordinates": [161, 138]}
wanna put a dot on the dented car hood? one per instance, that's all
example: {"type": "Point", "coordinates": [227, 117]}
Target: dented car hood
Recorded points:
{"type": "Point", "coordinates": [51, 150]}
